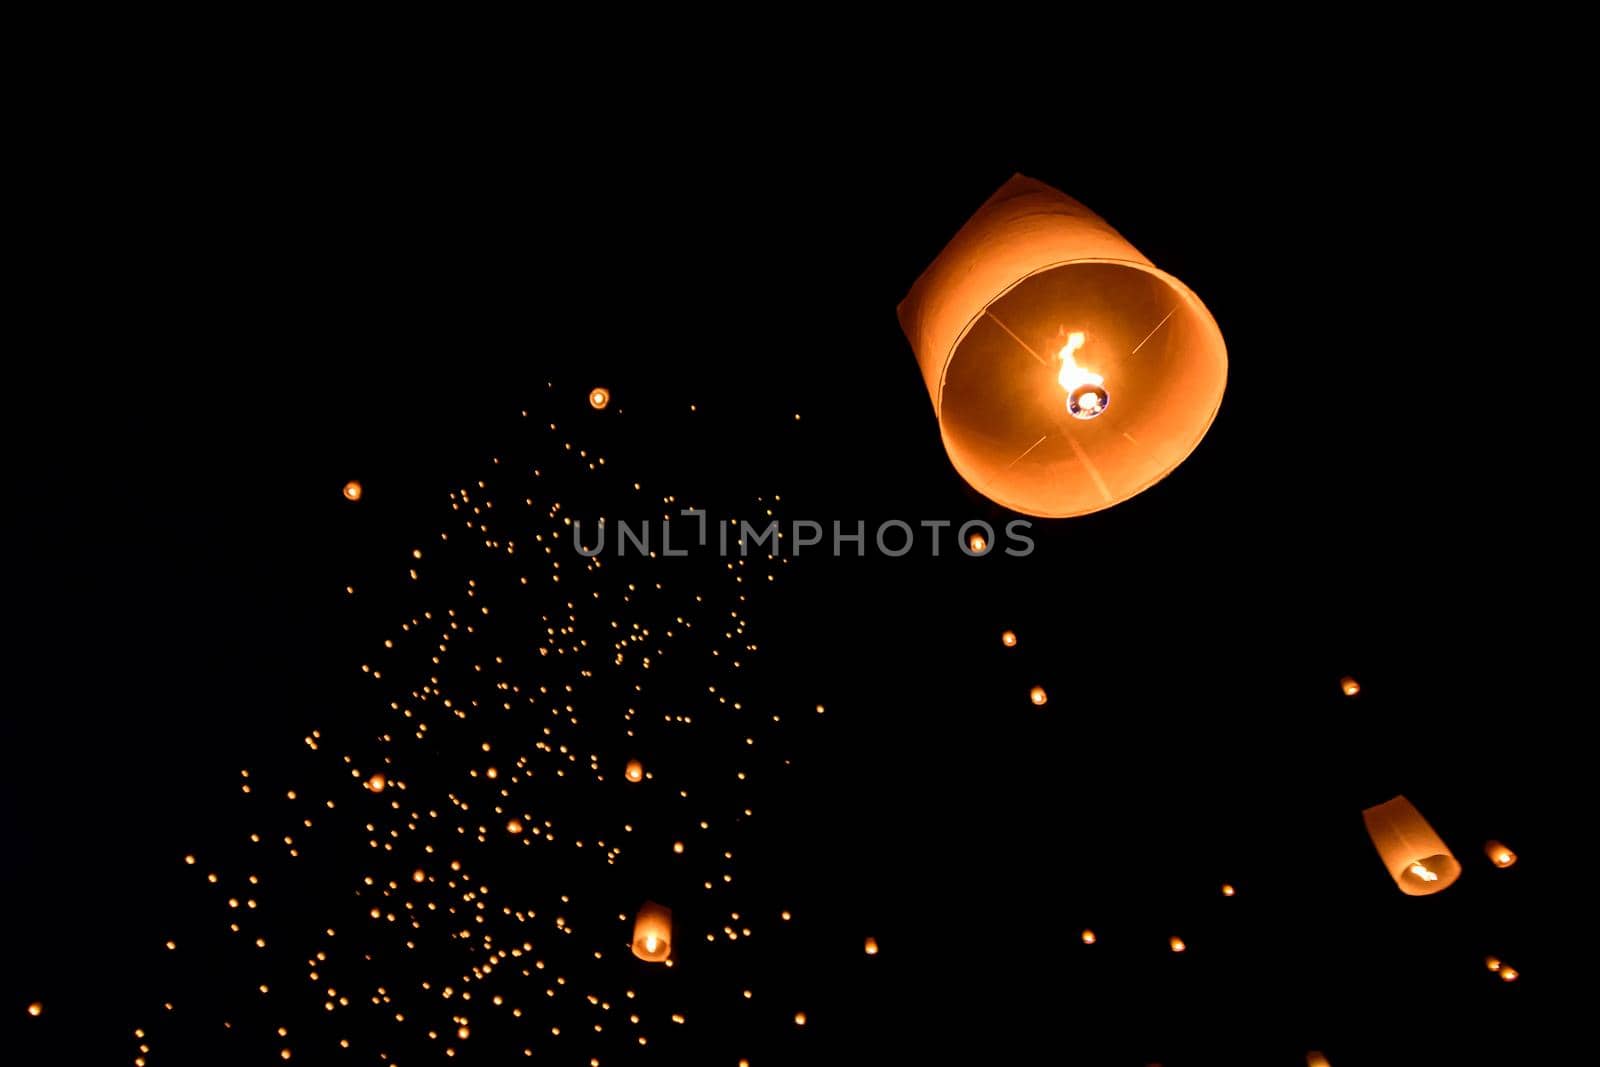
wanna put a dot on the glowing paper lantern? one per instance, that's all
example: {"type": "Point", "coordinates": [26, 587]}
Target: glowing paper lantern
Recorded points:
{"type": "Point", "coordinates": [1088, 937]}
{"type": "Point", "coordinates": [1176, 944]}
{"type": "Point", "coordinates": [634, 771]}
{"type": "Point", "coordinates": [1498, 854]}
{"type": "Point", "coordinates": [1038, 695]}
{"type": "Point", "coordinates": [1417, 859]}
{"type": "Point", "coordinates": [1316, 1059]}
{"type": "Point", "coordinates": [599, 397]}
{"type": "Point", "coordinates": [1008, 639]}
{"type": "Point", "coordinates": [1508, 974]}
{"type": "Point", "coordinates": [1067, 372]}
{"type": "Point", "coordinates": [652, 933]}
{"type": "Point", "coordinates": [352, 490]}
{"type": "Point", "coordinates": [377, 783]}
{"type": "Point", "coordinates": [1349, 686]}
{"type": "Point", "coordinates": [872, 946]}
{"type": "Point", "coordinates": [1227, 890]}
{"type": "Point", "coordinates": [36, 1009]}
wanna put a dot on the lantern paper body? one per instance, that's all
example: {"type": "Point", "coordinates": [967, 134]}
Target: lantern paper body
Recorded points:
{"type": "Point", "coordinates": [652, 933]}
{"type": "Point", "coordinates": [989, 320]}
{"type": "Point", "coordinates": [1417, 859]}
{"type": "Point", "coordinates": [1499, 855]}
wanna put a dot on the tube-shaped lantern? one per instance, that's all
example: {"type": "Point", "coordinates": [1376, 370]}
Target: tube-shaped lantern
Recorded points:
{"type": "Point", "coordinates": [1498, 854]}
{"type": "Point", "coordinates": [1067, 372]}
{"type": "Point", "coordinates": [652, 932]}
{"type": "Point", "coordinates": [1417, 858]}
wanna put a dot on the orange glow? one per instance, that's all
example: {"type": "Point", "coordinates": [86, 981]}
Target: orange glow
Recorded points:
{"type": "Point", "coordinates": [1498, 854]}
{"type": "Point", "coordinates": [635, 771]}
{"type": "Point", "coordinates": [419, 875]}
{"type": "Point", "coordinates": [514, 826]}
{"type": "Point", "coordinates": [799, 1018]}
{"type": "Point", "coordinates": [377, 783]}
{"type": "Point", "coordinates": [599, 397]}
{"type": "Point", "coordinates": [1008, 639]}
{"type": "Point", "coordinates": [1177, 944]}
{"type": "Point", "coordinates": [1037, 695]}
{"type": "Point", "coordinates": [1492, 962]}
{"type": "Point", "coordinates": [1415, 856]}
{"type": "Point", "coordinates": [36, 1009]}
{"type": "Point", "coordinates": [677, 846]}
{"type": "Point", "coordinates": [1088, 937]}
{"type": "Point", "coordinates": [1028, 323]}
{"type": "Point", "coordinates": [1227, 890]}
{"type": "Point", "coordinates": [976, 543]}
{"type": "Point", "coordinates": [1316, 1059]}
{"type": "Point", "coordinates": [872, 946]}
{"type": "Point", "coordinates": [1349, 686]}
{"type": "Point", "coordinates": [352, 490]}
{"type": "Point", "coordinates": [1508, 974]}
{"type": "Point", "coordinates": [652, 933]}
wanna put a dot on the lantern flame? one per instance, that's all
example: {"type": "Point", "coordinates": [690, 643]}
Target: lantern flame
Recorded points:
{"type": "Point", "coordinates": [1422, 872]}
{"type": "Point", "coordinates": [1086, 395]}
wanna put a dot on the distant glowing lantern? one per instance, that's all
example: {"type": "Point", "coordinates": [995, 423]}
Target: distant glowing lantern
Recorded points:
{"type": "Point", "coordinates": [1498, 854]}
{"type": "Point", "coordinates": [599, 397]}
{"type": "Point", "coordinates": [1508, 974]}
{"type": "Point", "coordinates": [1316, 1059]}
{"type": "Point", "coordinates": [977, 544]}
{"type": "Point", "coordinates": [1349, 686]}
{"type": "Point", "coordinates": [1227, 890]}
{"type": "Point", "coordinates": [1088, 937]}
{"type": "Point", "coordinates": [1067, 372]}
{"type": "Point", "coordinates": [352, 490]}
{"type": "Point", "coordinates": [36, 1009]}
{"type": "Point", "coordinates": [1417, 859]}
{"type": "Point", "coordinates": [1176, 944]}
{"type": "Point", "coordinates": [377, 783]}
{"type": "Point", "coordinates": [635, 771]}
{"type": "Point", "coordinates": [419, 875]}
{"type": "Point", "coordinates": [799, 1018]}
{"type": "Point", "coordinates": [513, 826]}
{"type": "Point", "coordinates": [1008, 639]}
{"type": "Point", "coordinates": [1492, 962]}
{"type": "Point", "coordinates": [677, 847]}
{"type": "Point", "coordinates": [1037, 695]}
{"type": "Point", "coordinates": [872, 946]}
{"type": "Point", "coordinates": [652, 933]}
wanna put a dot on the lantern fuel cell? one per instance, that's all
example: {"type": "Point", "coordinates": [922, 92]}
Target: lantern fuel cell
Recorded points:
{"type": "Point", "coordinates": [1067, 371]}
{"type": "Point", "coordinates": [1416, 857]}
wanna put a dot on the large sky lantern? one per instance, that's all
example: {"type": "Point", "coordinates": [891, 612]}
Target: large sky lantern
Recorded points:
{"type": "Point", "coordinates": [1416, 857]}
{"type": "Point", "coordinates": [1067, 371]}
{"type": "Point", "coordinates": [652, 932]}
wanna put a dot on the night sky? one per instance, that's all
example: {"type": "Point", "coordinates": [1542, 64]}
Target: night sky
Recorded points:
{"type": "Point", "coordinates": [235, 319]}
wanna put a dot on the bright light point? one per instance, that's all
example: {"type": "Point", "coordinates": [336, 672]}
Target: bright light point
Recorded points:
{"type": "Point", "coordinates": [1508, 974]}
{"type": "Point", "coordinates": [1086, 394]}
{"type": "Point", "coordinates": [1422, 872]}
{"type": "Point", "coordinates": [799, 1018]}
{"type": "Point", "coordinates": [1008, 639]}
{"type": "Point", "coordinates": [1349, 685]}
{"type": "Point", "coordinates": [1227, 890]}
{"type": "Point", "coordinates": [36, 1009]}
{"type": "Point", "coordinates": [872, 946]}
{"type": "Point", "coordinates": [1177, 944]}
{"type": "Point", "coordinates": [1088, 937]}
{"type": "Point", "coordinates": [599, 397]}
{"type": "Point", "coordinates": [352, 490]}
{"type": "Point", "coordinates": [377, 783]}
{"type": "Point", "coordinates": [1037, 695]}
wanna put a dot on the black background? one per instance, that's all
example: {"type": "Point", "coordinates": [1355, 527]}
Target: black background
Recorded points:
{"type": "Point", "coordinates": [233, 307]}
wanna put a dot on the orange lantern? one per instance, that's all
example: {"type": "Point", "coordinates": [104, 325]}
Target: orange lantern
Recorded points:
{"type": "Point", "coordinates": [1088, 937]}
{"type": "Point", "coordinates": [1316, 1059]}
{"type": "Point", "coordinates": [1176, 944]}
{"type": "Point", "coordinates": [1038, 695]}
{"type": "Point", "coordinates": [872, 946]}
{"type": "Point", "coordinates": [1068, 373]}
{"type": "Point", "coordinates": [1498, 854]}
{"type": "Point", "coordinates": [1009, 639]}
{"type": "Point", "coordinates": [352, 490]}
{"type": "Point", "coordinates": [652, 932]}
{"type": "Point", "coordinates": [1349, 686]}
{"type": "Point", "coordinates": [377, 783]}
{"type": "Point", "coordinates": [599, 397]}
{"type": "Point", "coordinates": [634, 771]}
{"type": "Point", "coordinates": [1417, 858]}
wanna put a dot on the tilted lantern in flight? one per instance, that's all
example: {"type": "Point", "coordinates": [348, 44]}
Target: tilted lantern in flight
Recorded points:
{"type": "Point", "coordinates": [1416, 857]}
{"type": "Point", "coordinates": [1067, 371]}
{"type": "Point", "coordinates": [652, 932]}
